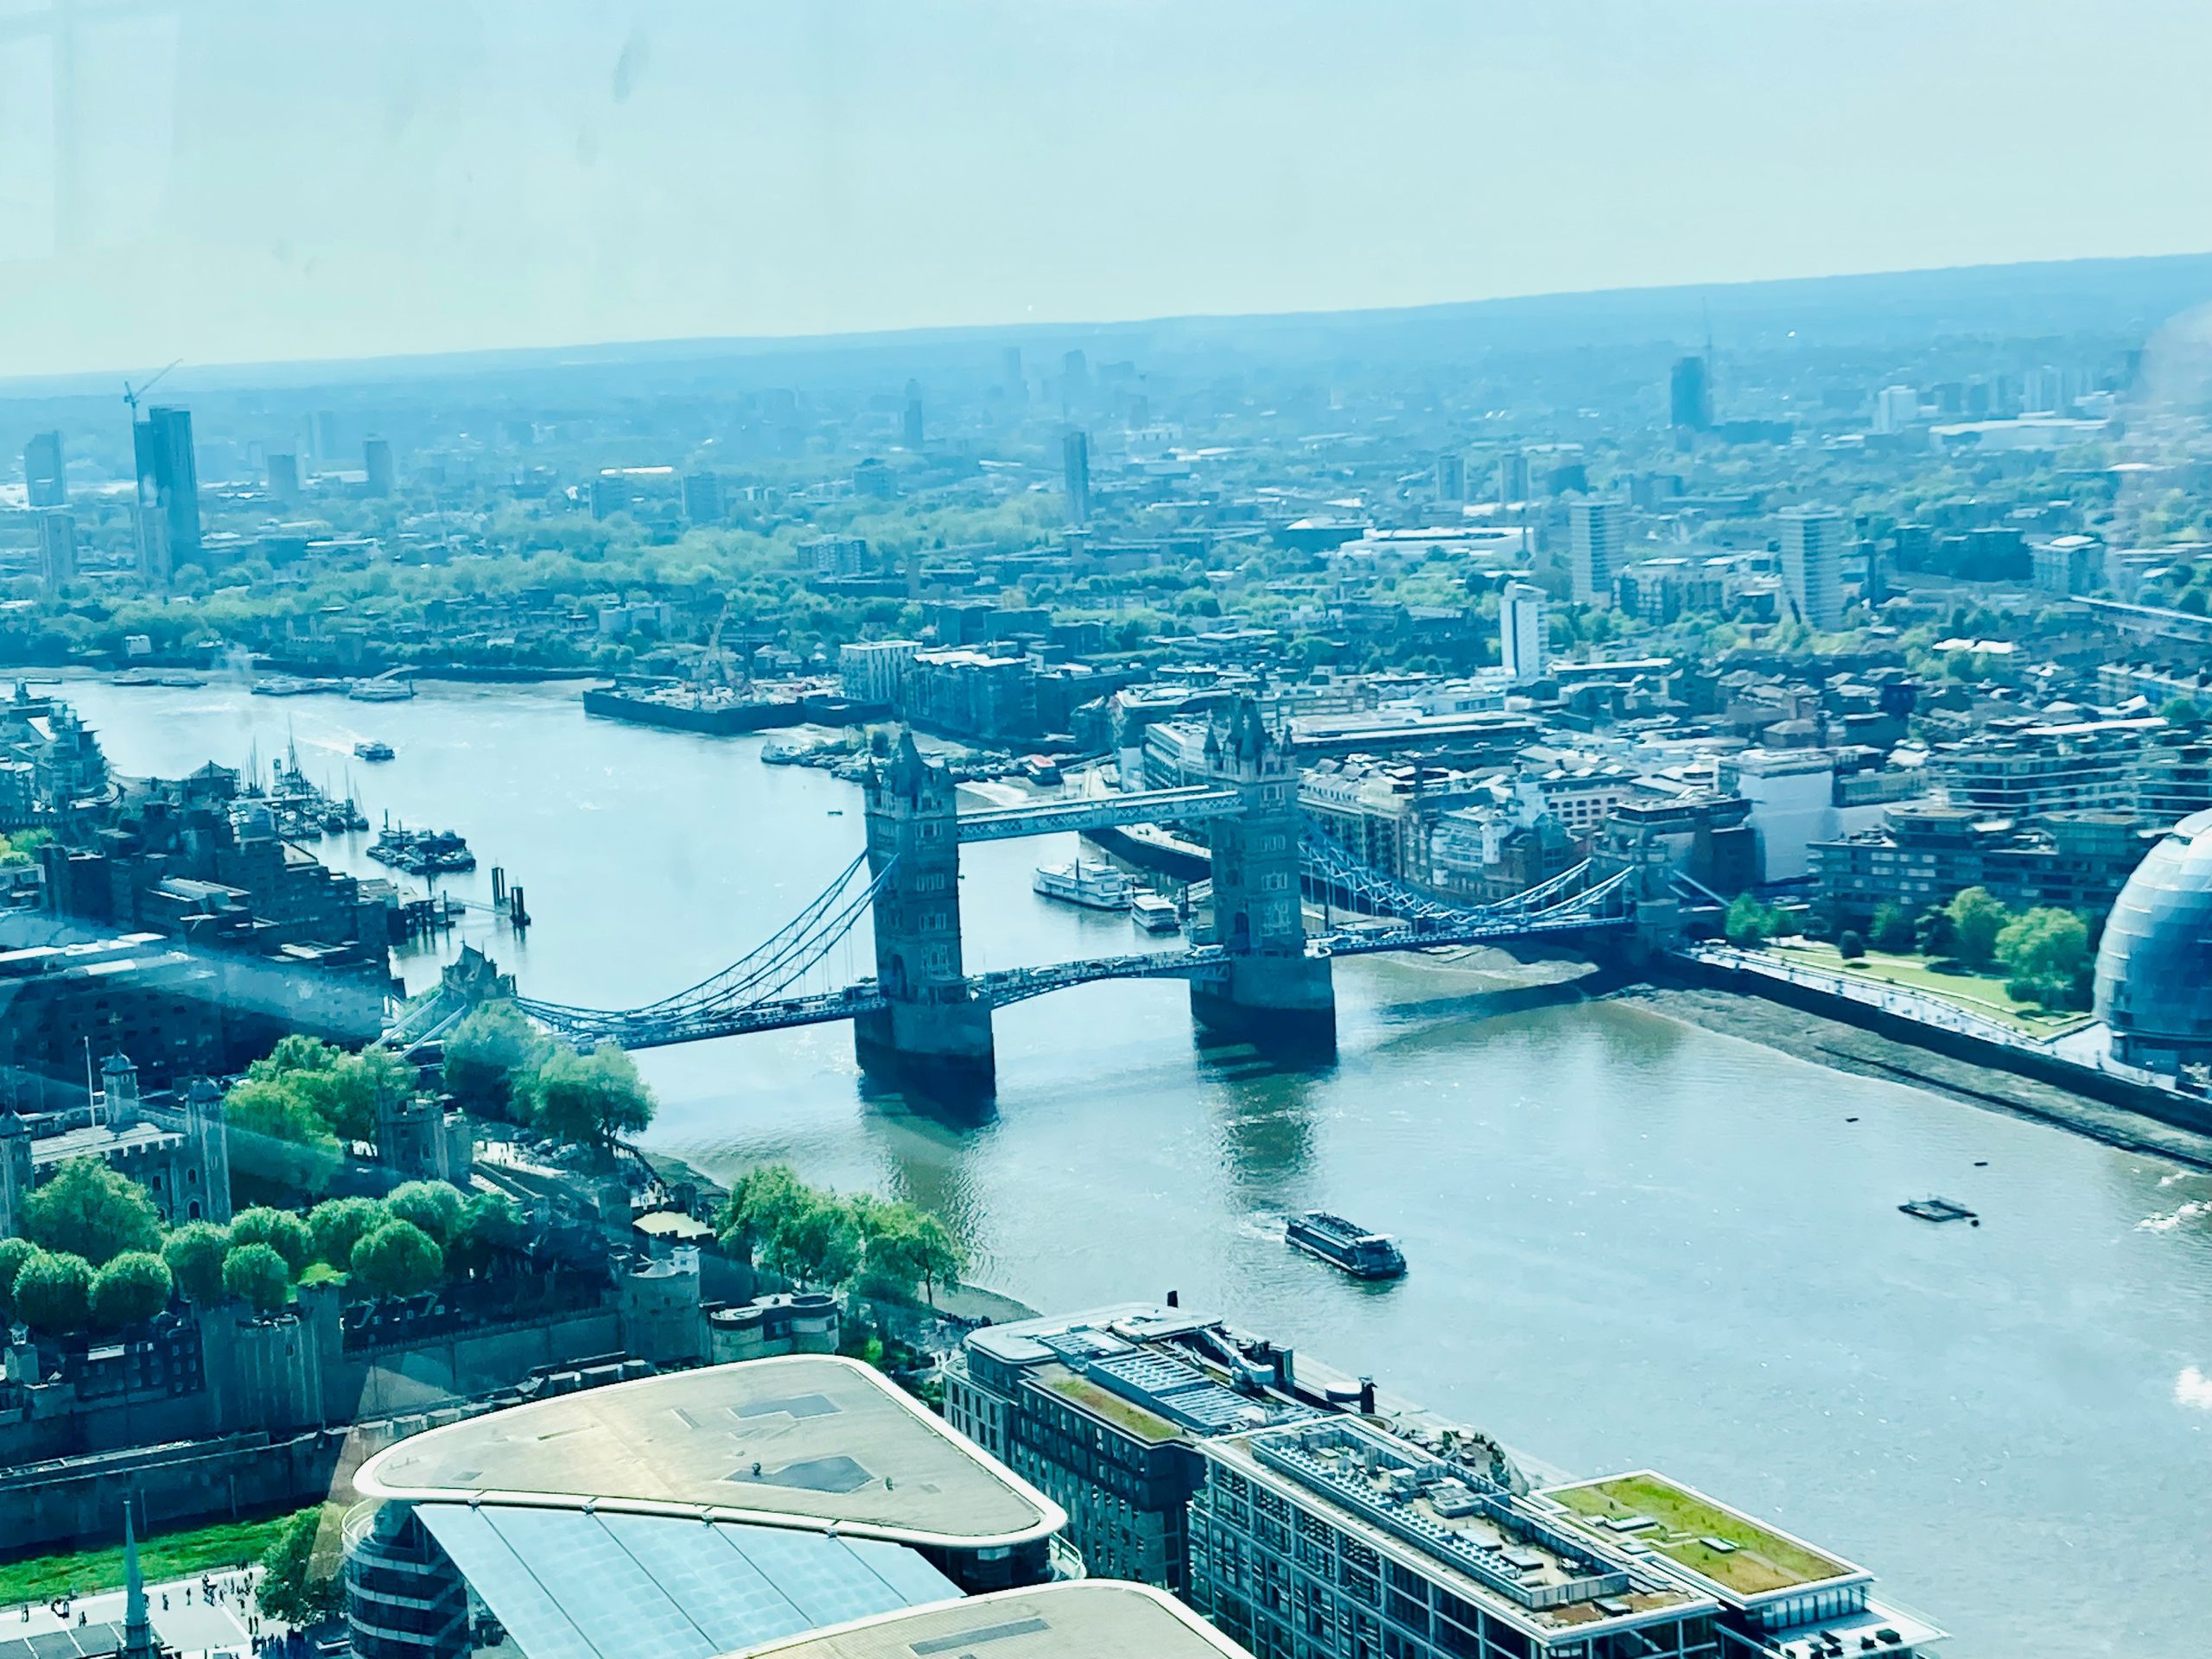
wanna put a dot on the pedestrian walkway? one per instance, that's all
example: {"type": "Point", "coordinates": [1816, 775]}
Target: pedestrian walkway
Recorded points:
{"type": "Point", "coordinates": [206, 1616]}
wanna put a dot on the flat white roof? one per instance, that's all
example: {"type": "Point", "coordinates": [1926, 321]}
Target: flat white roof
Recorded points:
{"type": "Point", "coordinates": [811, 1440]}
{"type": "Point", "coordinates": [1089, 1618]}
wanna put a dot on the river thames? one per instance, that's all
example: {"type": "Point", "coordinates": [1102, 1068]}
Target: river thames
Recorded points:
{"type": "Point", "coordinates": [1633, 1243]}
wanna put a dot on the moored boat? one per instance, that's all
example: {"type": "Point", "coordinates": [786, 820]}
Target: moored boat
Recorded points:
{"type": "Point", "coordinates": [1155, 912]}
{"type": "Point", "coordinates": [1093, 886]}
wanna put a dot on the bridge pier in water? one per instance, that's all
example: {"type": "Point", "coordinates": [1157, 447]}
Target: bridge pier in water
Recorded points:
{"type": "Point", "coordinates": [1272, 994]}
{"type": "Point", "coordinates": [934, 1036]}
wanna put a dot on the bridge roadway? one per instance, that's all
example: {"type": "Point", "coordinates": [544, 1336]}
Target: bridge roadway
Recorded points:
{"type": "Point", "coordinates": [1104, 812]}
{"type": "Point", "coordinates": [1008, 986]}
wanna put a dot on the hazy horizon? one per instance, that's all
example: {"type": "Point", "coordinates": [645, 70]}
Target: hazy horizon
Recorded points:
{"type": "Point", "coordinates": [248, 182]}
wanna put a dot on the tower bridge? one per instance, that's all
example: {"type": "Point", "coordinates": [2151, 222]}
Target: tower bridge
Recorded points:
{"type": "Point", "coordinates": [924, 1020]}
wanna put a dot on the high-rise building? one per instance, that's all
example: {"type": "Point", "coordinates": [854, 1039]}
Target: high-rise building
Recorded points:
{"type": "Point", "coordinates": [57, 546]}
{"type": "Point", "coordinates": [1512, 477]}
{"type": "Point", "coordinates": [1594, 524]}
{"type": "Point", "coordinates": [322, 435]}
{"type": "Point", "coordinates": [1812, 564]}
{"type": "Point", "coordinates": [376, 461]}
{"type": "Point", "coordinates": [911, 427]}
{"type": "Point", "coordinates": [610, 494]}
{"type": "Point", "coordinates": [702, 497]}
{"type": "Point", "coordinates": [1010, 367]}
{"type": "Point", "coordinates": [44, 483]}
{"type": "Point", "coordinates": [168, 494]}
{"type": "Point", "coordinates": [1451, 476]}
{"type": "Point", "coordinates": [1521, 632]}
{"type": "Point", "coordinates": [1689, 395]}
{"type": "Point", "coordinates": [283, 476]}
{"type": "Point", "coordinates": [1895, 408]}
{"type": "Point", "coordinates": [1074, 456]}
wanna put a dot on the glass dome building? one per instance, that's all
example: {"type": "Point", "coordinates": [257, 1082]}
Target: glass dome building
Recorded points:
{"type": "Point", "coordinates": [2154, 965]}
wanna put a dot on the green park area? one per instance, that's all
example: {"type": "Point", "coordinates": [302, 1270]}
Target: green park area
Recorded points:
{"type": "Point", "coordinates": [1731, 1549]}
{"type": "Point", "coordinates": [1983, 993]}
{"type": "Point", "coordinates": [170, 1555]}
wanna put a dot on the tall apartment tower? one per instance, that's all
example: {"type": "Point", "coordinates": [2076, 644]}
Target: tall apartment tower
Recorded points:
{"type": "Point", "coordinates": [283, 475]}
{"type": "Point", "coordinates": [1521, 632]}
{"type": "Point", "coordinates": [1812, 565]}
{"type": "Point", "coordinates": [376, 460]}
{"type": "Point", "coordinates": [168, 494]}
{"type": "Point", "coordinates": [1689, 395]}
{"type": "Point", "coordinates": [57, 547]}
{"type": "Point", "coordinates": [1594, 526]}
{"type": "Point", "coordinates": [1075, 456]}
{"type": "Point", "coordinates": [44, 483]}
{"type": "Point", "coordinates": [1512, 477]}
{"type": "Point", "coordinates": [1451, 476]}
{"type": "Point", "coordinates": [910, 432]}
{"type": "Point", "coordinates": [702, 497]}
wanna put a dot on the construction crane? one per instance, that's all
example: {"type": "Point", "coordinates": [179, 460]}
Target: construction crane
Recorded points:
{"type": "Point", "coordinates": [132, 396]}
{"type": "Point", "coordinates": [710, 674]}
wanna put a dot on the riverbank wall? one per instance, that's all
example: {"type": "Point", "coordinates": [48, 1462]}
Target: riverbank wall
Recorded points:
{"type": "Point", "coordinates": [2165, 1106]}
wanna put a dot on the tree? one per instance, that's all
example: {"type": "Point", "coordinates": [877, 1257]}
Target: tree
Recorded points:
{"type": "Point", "coordinates": [1749, 924]}
{"type": "Point", "coordinates": [1933, 934]}
{"type": "Point", "coordinates": [280, 1229]}
{"type": "Point", "coordinates": [256, 1275]}
{"type": "Point", "coordinates": [195, 1254]}
{"type": "Point", "coordinates": [489, 1053]}
{"type": "Point", "coordinates": [2046, 951]}
{"type": "Point", "coordinates": [277, 1107]}
{"type": "Point", "coordinates": [2180, 711]}
{"type": "Point", "coordinates": [758, 1204]}
{"type": "Point", "coordinates": [53, 1293]}
{"type": "Point", "coordinates": [434, 1206]}
{"type": "Point", "coordinates": [294, 1586]}
{"type": "Point", "coordinates": [131, 1289]}
{"type": "Point", "coordinates": [818, 1243]}
{"type": "Point", "coordinates": [587, 1098]}
{"type": "Point", "coordinates": [354, 1094]}
{"type": "Point", "coordinates": [490, 1227]}
{"type": "Point", "coordinates": [1978, 915]}
{"type": "Point", "coordinates": [907, 1247]}
{"type": "Point", "coordinates": [1892, 930]}
{"type": "Point", "coordinates": [1850, 946]}
{"type": "Point", "coordinates": [14, 1253]}
{"type": "Point", "coordinates": [335, 1225]}
{"type": "Point", "coordinates": [399, 1259]}
{"type": "Point", "coordinates": [88, 1209]}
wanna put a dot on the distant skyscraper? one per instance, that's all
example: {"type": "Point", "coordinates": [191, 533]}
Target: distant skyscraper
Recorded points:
{"type": "Point", "coordinates": [284, 476]}
{"type": "Point", "coordinates": [610, 494]}
{"type": "Point", "coordinates": [376, 460]}
{"type": "Point", "coordinates": [1010, 366]}
{"type": "Point", "coordinates": [1512, 477]}
{"type": "Point", "coordinates": [1895, 408]}
{"type": "Point", "coordinates": [1074, 456]}
{"type": "Point", "coordinates": [44, 482]}
{"type": "Point", "coordinates": [1689, 395]}
{"type": "Point", "coordinates": [168, 494]}
{"type": "Point", "coordinates": [322, 433]}
{"type": "Point", "coordinates": [702, 497]}
{"type": "Point", "coordinates": [1812, 565]}
{"type": "Point", "coordinates": [1595, 526]}
{"type": "Point", "coordinates": [1451, 476]}
{"type": "Point", "coordinates": [910, 430]}
{"type": "Point", "coordinates": [1521, 632]}
{"type": "Point", "coordinates": [57, 546]}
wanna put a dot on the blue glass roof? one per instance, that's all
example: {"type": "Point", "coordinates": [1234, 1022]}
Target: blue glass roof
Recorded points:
{"type": "Point", "coordinates": [569, 1586]}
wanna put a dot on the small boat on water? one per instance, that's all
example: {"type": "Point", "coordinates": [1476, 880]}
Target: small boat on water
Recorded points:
{"type": "Point", "coordinates": [1935, 1208]}
{"type": "Point", "coordinates": [1155, 912]}
{"type": "Point", "coordinates": [1091, 885]}
{"type": "Point", "coordinates": [381, 689]}
{"type": "Point", "coordinates": [372, 748]}
{"type": "Point", "coordinates": [1342, 1244]}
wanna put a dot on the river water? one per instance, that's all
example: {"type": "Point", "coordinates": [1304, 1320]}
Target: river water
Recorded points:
{"type": "Point", "coordinates": [1634, 1243]}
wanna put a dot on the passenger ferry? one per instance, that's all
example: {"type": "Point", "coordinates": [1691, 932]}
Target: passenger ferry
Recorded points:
{"type": "Point", "coordinates": [1155, 912]}
{"type": "Point", "coordinates": [1093, 886]}
{"type": "Point", "coordinates": [1337, 1242]}
{"type": "Point", "coordinates": [372, 748]}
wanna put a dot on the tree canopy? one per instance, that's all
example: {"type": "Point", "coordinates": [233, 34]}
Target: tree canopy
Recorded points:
{"type": "Point", "coordinates": [816, 1236]}
{"type": "Point", "coordinates": [195, 1254]}
{"type": "Point", "coordinates": [256, 1275]}
{"type": "Point", "coordinates": [89, 1209]}
{"type": "Point", "coordinates": [490, 1054]}
{"type": "Point", "coordinates": [399, 1259]}
{"type": "Point", "coordinates": [130, 1290]}
{"type": "Point", "coordinates": [434, 1206]}
{"type": "Point", "coordinates": [588, 1098]}
{"type": "Point", "coordinates": [1978, 915]}
{"type": "Point", "coordinates": [53, 1293]}
{"type": "Point", "coordinates": [2046, 952]}
{"type": "Point", "coordinates": [299, 1583]}
{"type": "Point", "coordinates": [280, 1229]}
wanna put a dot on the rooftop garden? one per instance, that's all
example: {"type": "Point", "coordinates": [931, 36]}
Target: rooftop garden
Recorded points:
{"type": "Point", "coordinates": [1731, 1550]}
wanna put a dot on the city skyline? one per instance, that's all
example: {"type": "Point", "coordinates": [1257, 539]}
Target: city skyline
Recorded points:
{"type": "Point", "coordinates": [867, 170]}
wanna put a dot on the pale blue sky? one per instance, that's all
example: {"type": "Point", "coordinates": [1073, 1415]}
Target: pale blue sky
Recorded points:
{"type": "Point", "coordinates": [240, 180]}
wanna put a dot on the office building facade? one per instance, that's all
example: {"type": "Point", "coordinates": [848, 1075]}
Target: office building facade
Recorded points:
{"type": "Point", "coordinates": [702, 497]}
{"type": "Point", "coordinates": [1812, 565]}
{"type": "Point", "coordinates": [1595, 531]}
{"type": "Point", "coordinates": [1689, 395]}
{"type": "Point", "coordinates": [377, 468]}
{"type": "Point", "coordinates": [57, 547]}
{"type": "Point", "coordinates": [168, 493]}
{"type": "Point", "coordinates": [1075, 466]}
{"type": "Point", "coordinates": [44, 482]}
{"type": "Point", "coordinates": [1521, 624]}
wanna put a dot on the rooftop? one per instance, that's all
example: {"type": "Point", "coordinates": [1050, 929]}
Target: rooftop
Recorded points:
{"type": "Point", "coordinates": [811, 1440]}
{"type": "Point", "coordinates": [1741, 1555]}
{"type": "Point", "coordinates": [1090, 1619]}
{"type": "Point", "coordinates": [1458, 1528]}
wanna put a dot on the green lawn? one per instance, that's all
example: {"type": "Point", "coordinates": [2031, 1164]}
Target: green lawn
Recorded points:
{"type": "Point", "coordinates": [1127, 1414]}
{"type": "Point", "coordinates": [1982, 994]}
{"type": "Point", "coordinates": [171, 1555]}
{"type": "Point", "coordinates": [1761, 1560]}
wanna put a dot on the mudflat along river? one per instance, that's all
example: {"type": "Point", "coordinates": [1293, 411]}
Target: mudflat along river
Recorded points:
{"type": "Point", "coordinates": [1633, 1243]}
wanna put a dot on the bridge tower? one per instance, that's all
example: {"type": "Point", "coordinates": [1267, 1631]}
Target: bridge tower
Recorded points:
{"type": "Point", "coordinates": [934, 1035]}
{"type": "Point", "coordinates": [1273, 993]}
